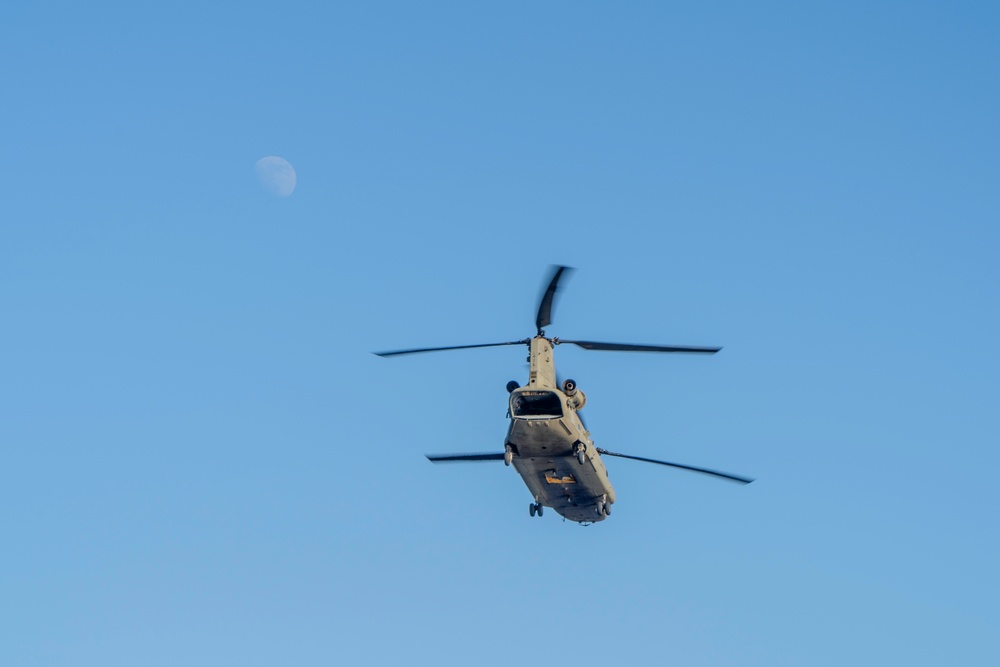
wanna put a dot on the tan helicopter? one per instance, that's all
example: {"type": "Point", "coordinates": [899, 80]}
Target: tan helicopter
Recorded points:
{"type": "Point", "coordinates": [547, 442]}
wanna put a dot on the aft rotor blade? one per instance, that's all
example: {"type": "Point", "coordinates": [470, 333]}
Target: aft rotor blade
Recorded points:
{"type": "Point", "coordinates": [452, 458]}
{"type": "Point", "coordinates": [706, 471]}
{"type": "Point", "coordinates": [544, 317]}
{"type": "Point", "coordinates": [395, 353]}
{"type": "Point", "coordinates": [628, 347]}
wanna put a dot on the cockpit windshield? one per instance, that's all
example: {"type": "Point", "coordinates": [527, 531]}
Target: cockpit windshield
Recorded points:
{"type": "Point", "coordinates": [539, 404]}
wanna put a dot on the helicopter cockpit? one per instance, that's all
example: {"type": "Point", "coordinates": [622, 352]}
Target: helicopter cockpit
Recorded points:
{"type": "Point", "coordinates": [535, 405]}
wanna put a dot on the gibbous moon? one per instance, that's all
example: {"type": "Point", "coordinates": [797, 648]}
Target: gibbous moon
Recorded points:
{"type": "Point", "coordinates": [276, 175]}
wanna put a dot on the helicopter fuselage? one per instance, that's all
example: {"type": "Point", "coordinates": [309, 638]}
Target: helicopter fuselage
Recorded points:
{"type": "Point", "coordinates": [550, 447]}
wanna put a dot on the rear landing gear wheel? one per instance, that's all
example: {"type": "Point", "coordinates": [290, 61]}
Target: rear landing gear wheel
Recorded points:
{"type": "Point", "coordinates": [531, 509]}
{"type": "Point", "coordinates": [607, 509]}
{"type": "Point", "coordinates": [535, 509]}
{"type": "Point", "coordinates": [538, 509]}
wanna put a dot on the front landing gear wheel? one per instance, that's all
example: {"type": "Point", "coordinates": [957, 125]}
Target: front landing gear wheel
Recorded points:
{"type": "Point", "coordinates": [607, 509]}
{"type": "Point", "coordinates": [508, 455]}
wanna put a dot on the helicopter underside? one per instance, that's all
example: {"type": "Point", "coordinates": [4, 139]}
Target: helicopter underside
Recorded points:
{"type": "Point", "coordinates": [548, 460]}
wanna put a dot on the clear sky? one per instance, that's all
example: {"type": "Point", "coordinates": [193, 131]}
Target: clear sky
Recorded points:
{"type": "Point", "coordinates": [203, 464]}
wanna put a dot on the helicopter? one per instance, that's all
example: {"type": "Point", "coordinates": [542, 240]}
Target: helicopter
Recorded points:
{"type": "Point", "coordinates": [547, 442]}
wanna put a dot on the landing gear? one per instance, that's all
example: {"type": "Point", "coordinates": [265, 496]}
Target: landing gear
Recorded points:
{"type": "Point", "coordinates": [581, 453]}
{"type": "Point", "coordinates": [603, 506]}
{"type": "Point", "coordinates": [508, 455]}
{"type": "Point", "coordinates": [535, 509]}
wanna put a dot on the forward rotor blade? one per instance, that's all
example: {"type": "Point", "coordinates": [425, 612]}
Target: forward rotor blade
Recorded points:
{"type": "Point", "coordinates": [452, 458]}
{"type": "Point", "coordinates": [544, 317]}
{"type": "Point", "coordinates": [706, 471]}
{"type": "Point", "coordinates": [396, 353]}
{"type": "Point", "coordinates": [628, 347]}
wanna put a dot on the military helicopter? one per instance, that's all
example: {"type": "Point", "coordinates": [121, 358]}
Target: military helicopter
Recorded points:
{"type": "Point", "coordinates": [547, 441]}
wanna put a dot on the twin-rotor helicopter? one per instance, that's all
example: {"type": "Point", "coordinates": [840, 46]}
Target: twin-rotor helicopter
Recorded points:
{"type": "Point", "coordinates": [547, 441]}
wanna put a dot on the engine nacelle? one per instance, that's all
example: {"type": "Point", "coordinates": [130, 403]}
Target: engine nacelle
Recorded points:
{"type": "Point", "coordinates": [576, 397]}
{"type": "Point", "coordinates": [577, 400]}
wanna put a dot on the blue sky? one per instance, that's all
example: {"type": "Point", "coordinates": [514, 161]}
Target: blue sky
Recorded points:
{"type": "Point", "coordinates": [203, 464]}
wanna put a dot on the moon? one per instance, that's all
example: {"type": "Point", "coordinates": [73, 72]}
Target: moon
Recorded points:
{"type": "Point", "coordinates": [277, 175]}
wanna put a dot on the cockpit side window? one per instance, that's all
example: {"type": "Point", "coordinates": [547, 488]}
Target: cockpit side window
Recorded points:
{"type": "Point", "coordinates": [536, 404]}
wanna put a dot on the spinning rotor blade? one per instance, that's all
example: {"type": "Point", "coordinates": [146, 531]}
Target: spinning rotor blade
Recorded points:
{"type": "Point", "coordinates": [452, 347]}
{"type": "Point", "coordinates": [544, 317]}
{"type": "Point", "coordinates": [628, 347]}
{"type": "Point", "coordinates": [464, 457]}
{"type": "Point", "coordinates": [706, 471]}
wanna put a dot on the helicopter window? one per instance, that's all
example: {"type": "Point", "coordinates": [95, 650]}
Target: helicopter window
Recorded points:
{"type": "Point", "coordinates": [536, 404]}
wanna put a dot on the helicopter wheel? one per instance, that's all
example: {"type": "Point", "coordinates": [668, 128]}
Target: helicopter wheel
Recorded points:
{"type": "Point", "coordinates": [508, 455]}
{"type": "Point", "coordinates": [603, 506]}
{"type": "Point", "coordinates": [531, 509]}
{"type": "Point", "coordinates": [538, 509]}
